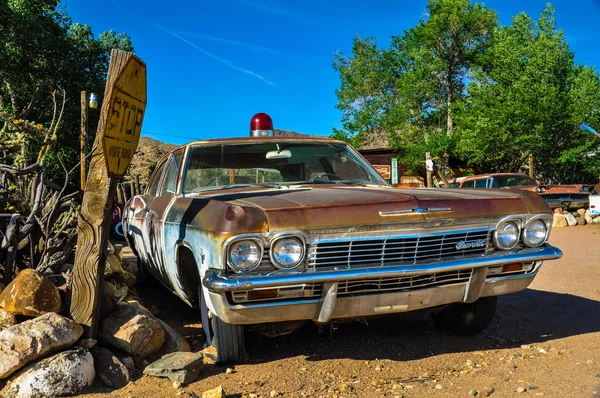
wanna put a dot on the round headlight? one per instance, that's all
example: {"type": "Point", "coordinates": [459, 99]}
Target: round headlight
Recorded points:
{"type": "Point", "coordinates": [535, 233]}
{"type": "Point", "coordinates": [287, 253]}
{"type": "Point", "coordinates": [507, 235]}
{"type": "Point", "coordinates": [244, 255]}
{"type": "Point", "coordinates": [540, 190]}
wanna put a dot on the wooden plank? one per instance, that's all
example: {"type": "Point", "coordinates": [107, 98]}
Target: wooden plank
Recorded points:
{"type": "Point", "coordinates": [95, 217]}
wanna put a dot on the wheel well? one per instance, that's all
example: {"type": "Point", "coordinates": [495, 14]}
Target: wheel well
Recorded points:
{"type": "Point", "coordinates": [187, 271]}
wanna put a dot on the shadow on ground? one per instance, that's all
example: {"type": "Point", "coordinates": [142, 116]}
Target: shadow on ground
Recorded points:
{"type": "Point", "coordinates": [527, 317]}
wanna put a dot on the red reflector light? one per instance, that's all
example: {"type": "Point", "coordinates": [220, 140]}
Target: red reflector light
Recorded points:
{"type": "Point", "coordinates": [592, 207]}
{"type": "Point", "coordinates": [512, 267]}
{"type": "Point", "coordinates": [262, 294]}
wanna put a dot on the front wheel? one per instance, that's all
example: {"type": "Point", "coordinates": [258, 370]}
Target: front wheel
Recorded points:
{"type": "Point", "coordinates": [229, 341]}
{"type": "Point", "coordinates": [467, 319]}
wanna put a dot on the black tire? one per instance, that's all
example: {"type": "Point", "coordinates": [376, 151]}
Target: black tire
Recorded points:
{"type": "Point", "coordinates": [229, 342]}
{"type": "Point", "coordinates": [142, 277]}
{"type": "Point", "coordinates": [467, 319]}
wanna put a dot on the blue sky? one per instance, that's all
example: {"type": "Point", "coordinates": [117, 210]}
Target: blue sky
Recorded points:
{"type": "Point", "coordinates": [213, 64]}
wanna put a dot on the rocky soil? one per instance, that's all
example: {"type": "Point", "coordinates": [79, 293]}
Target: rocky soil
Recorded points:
{"type": "Point", "coordinates": [544, 341]}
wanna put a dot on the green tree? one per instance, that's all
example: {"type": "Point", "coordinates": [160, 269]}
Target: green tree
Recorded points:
{"type": "Point", "coordinates": [409, 90]}
{"type": "Point", "coordinates": [528, 99]}
{"type": "Point", "coordinates": [44, 51]}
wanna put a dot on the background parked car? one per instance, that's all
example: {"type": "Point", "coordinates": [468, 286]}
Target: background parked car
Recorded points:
{"type": "Point", "coordinates": [556, 196]}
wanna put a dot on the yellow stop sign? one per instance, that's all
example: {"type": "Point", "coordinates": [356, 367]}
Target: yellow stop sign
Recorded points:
{"type": "Point", "coordinates": [125, 116]}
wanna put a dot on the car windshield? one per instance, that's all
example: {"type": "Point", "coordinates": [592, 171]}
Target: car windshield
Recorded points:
{"type": "Point", "coordinates": [220, 166]}
{"type": "Point", "coordinates": [511, 181]}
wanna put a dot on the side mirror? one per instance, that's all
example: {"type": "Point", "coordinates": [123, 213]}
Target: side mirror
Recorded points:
{"type": "Point", "coordinates": [282, 154]}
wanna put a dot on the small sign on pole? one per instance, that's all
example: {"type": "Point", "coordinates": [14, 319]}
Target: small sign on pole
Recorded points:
{"type": "Point", "coordinates": [394, 170]}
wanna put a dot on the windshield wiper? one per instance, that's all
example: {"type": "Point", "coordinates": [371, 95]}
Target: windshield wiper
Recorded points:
{"type": "Point", "coordinates": [263, 184]}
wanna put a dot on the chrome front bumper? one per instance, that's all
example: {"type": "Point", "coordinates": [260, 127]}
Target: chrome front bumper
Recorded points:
{"type": "Point", "coordinates": [329, 306]}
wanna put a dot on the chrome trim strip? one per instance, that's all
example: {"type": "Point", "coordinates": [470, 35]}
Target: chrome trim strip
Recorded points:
{"type": "Point", "coordinates": [391, 234]}
{"type": "Point", "coordinates": [218, 281]}
{"type": "Point", "coordinates": [418, 210]}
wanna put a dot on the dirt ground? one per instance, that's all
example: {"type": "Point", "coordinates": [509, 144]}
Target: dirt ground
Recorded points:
{"type": "Point", "coordinates": [544, 341]}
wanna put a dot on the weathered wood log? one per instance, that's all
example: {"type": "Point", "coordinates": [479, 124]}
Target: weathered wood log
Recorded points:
{"type": "Point", "coordinates": [95, 218]}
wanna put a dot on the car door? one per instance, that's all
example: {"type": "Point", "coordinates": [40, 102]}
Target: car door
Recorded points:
{"type": "Point", "coordinates": [156, 218]}
{"type": "Point", "coordinates": [138, 208]}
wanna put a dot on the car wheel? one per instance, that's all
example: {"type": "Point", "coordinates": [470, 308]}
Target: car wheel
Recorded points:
{"type": "Point", "coordinates": [142, 277]}
{"type": "Point", "coordinates": [466, 319]}
{"type": "Point", "coordinates": [229, 341]}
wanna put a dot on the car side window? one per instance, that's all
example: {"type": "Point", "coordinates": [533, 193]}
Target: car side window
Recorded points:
{"type": "Point", "coordinates": [170, 185]}
{"type": "Point", "coordinates": [481, 183]}
{"type": "Point", "coordinates": [468, 184]}
{"type": "Point", "coordinates": [156, 177]}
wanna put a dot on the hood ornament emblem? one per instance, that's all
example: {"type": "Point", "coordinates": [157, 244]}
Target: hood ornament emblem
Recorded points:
{"type": "Point", "coordinates": [417, 210]}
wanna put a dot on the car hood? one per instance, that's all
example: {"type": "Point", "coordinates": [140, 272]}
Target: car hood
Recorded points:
{"type": "Point", "coordinates": [329, 206]}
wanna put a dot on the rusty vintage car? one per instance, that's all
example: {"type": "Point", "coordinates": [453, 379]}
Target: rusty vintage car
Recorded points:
{"type": "Point", "coordinates": [574, 196]}
{"type": "Point", "coordinates": [278, 231]}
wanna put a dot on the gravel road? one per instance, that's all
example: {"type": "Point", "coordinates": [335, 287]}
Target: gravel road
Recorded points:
{"type": "Point", "coordinates": [544, 341]}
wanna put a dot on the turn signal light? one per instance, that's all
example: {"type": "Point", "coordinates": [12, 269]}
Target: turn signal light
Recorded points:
{"type": "Point", "coordinates": [512, 267]}
{"type": "Point", "coordinates": [262, 294]}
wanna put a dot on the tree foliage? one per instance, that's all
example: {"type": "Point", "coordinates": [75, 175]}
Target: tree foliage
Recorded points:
{"type": "Point", "coordinates": [458, 84]}
{"type": "Point", "coordinates": [46, 56]}
{"type": "Point", "coordinates": [408, 91]}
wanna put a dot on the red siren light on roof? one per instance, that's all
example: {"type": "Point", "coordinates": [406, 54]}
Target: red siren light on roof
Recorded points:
{"type": "Point", "coordinates": [261, 125]}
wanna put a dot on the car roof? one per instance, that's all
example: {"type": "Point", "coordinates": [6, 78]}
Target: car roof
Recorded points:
{"type": "Point", "coordinates": [479, 176]}
{"type": "Point", "coordinates": [258, 140]}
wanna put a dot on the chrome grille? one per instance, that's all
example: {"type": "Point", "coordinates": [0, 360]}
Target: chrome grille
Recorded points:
{"type": "Point", "coordinates": [565, 196]}
{"type": "Point", "coordinates": [380, 285]}
{"type": "Point", "coordinates": [396, 250]}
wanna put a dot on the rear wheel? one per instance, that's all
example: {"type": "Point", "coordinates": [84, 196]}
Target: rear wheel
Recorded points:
{"type": "Point", "coordinates": [466, 319]}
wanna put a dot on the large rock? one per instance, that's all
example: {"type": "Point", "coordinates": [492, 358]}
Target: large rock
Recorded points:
{"type": "Point", "coordinates": [559, 220]}
{"type": "Point", "coordinates": [109, 369]}
{"type": "Point", "coordinates": [174, 341]}
{"type": "Point", "coordinates": [588, 219]}
{"type": "Point", "coordinates": [113, 265]}
{"type": "Point", "coordinates": [7, 319]}
{"type": "Point", "coordinates": [570, 220]}
{"type": "Point", "coordinates": [580, 220]}
{"type": "Point", "coordinates": [558, 211]}
{"type": "Point", "coordinates": [31, 294]}
{"type": "Point", "coordinates": [117, 291]}
{"type": "Point", "coordinates": [581, 212]}
{"type": "Point", "coordinates": [66, 373]}
{"type": "Point", "coordinates": [24, 343]}
{"type": "Point", "coordinates": [182, 367]}
{"type": "Point", "coordinates": [132, 331]}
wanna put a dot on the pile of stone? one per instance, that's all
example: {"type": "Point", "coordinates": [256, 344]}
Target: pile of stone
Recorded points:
{"type": "Point", "coordinates": [42, 353]}
{"type": "Point", "coordinates": [563, 218]}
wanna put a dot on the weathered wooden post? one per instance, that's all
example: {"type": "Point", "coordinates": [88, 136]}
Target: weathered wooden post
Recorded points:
{"type": "Point", "coordinates": [116, 141]}
{"type": "Point", "coordinates": [83, 141]}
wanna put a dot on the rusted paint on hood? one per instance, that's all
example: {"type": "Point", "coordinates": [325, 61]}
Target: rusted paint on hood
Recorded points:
{"type": "Point", "coordinates": [320, 206]}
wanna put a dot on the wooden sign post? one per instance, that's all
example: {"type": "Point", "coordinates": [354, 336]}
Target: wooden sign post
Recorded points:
{"type": "Point", "coordinates": [118, 134]}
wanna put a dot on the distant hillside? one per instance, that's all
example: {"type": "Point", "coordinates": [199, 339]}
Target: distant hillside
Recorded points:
{"type": "Point", "coordinates": [148, 153]}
